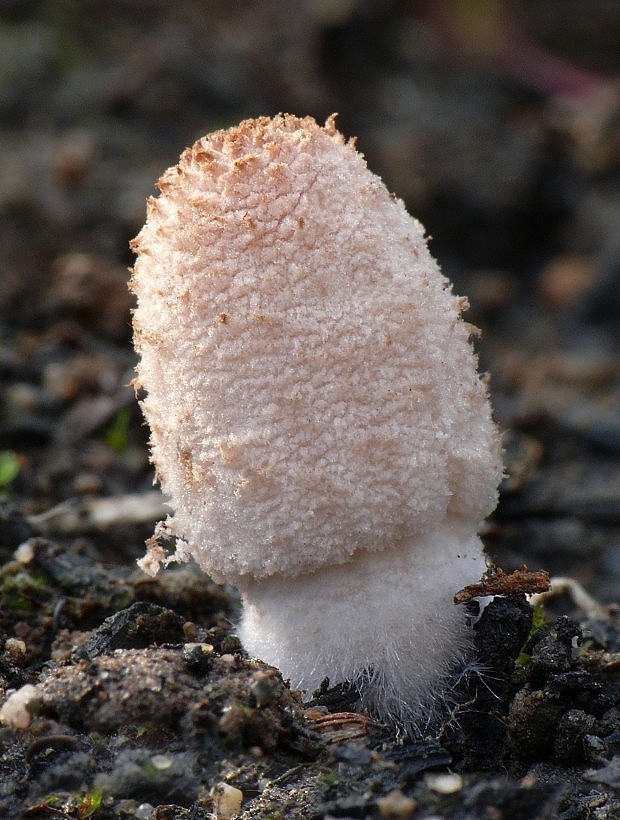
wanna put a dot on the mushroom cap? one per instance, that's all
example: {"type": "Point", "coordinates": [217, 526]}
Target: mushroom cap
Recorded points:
{"type": "Point", "coordinates": [309, 382]}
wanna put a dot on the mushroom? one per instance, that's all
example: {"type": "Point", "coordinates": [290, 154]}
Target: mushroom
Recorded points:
{"type": "Point", "coordinates": [317, 419]}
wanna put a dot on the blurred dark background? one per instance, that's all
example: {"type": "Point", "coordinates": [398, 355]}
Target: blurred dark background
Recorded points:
{"type": "Point", "coordinates": [497, 122]}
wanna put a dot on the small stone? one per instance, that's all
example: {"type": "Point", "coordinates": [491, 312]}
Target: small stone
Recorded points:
{"type": "Point", "coordinates": [16, 712]}
{"type": "Point", "coordinates": [192, 646]}
{"type": "Point", "coordinates": [396, 805]}
{"type": "Point", "coordinates": [24, 553]}
{"type": "Point", "coordinates": [227, 659]}
{"type": "Point", "coordinates": [14, 646]}
{"type": "Point", "coordinates": [15, 653]}
{"type": "Point", "coordinates": [444, 783]}
{"type": "Point", "coordinates": [263, 687]}
{"type": "Point", "coordinates": [198, 658]}
{"type": "Point", "coordinates": [572, 728]}
{"type": "Point", "coordinates": [227, 801]}
{"type": "Point", "coordinates": [594, 749]}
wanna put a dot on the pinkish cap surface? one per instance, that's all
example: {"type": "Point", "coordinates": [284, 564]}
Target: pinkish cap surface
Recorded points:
{"type": "Point", "coordinates": [310, 384]}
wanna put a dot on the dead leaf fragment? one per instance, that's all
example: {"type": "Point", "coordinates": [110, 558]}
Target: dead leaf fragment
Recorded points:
{"type": "Point", "coordinates": [496, 582]}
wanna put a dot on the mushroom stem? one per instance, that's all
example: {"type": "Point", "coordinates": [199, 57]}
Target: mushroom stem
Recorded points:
{"type": "Point", "coordinates": [385, 622]}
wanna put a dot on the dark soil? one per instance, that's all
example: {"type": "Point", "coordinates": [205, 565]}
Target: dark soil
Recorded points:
{"type": "Point", "coordinates": [145, 703]}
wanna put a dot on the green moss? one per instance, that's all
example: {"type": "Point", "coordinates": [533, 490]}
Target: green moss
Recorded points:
{"type": "Point", "coordinates": [117, 434]}
{"type": "Point", "coordinates": [539, 622]}
{"type": "Point", "coordinates": [52, 800]}
{"type": "Point", "coordinates": [20, 590]}
{"type": "Point", "coordinates": [77, 804]}
{"type": "Point", "coordinates": [9, 467]}
{"type": "Point", "coordinates": [90, 804]}
{"type": "Point", "coordinates": [330, 779]}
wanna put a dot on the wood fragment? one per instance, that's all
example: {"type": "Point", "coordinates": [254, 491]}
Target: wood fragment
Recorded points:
{"type": "Point", "coordinates": [496, 582]}
{"type": "Point", "coordinates": [339, 727]}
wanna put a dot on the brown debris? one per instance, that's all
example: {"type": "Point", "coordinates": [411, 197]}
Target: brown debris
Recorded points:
{"type": "Point", "coordinates": [496, 582]}
{"type": "Point", "coordinates": [339, 727]}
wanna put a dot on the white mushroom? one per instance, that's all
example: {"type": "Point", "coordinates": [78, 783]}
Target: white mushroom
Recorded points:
{"type": "Point", "coordinates": [317, 418]}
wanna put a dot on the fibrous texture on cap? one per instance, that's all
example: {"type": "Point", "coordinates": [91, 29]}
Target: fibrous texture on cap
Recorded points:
{"type": "Point", "coordinates": [310, 386]}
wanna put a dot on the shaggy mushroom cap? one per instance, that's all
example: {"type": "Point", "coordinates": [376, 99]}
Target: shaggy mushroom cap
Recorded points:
{"type": "Point", "coordinates": [311, 390]}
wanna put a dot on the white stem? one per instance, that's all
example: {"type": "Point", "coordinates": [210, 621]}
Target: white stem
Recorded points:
{"type": "Point", "coordinates": [385, 621]}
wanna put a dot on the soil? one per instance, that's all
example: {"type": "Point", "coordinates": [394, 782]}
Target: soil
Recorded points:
{"type": "Point", "coordinates": [146, 705]}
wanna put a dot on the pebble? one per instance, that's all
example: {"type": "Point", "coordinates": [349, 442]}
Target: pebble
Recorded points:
{"type": "Point", "coordinates": [227, 801]}
{"type": "Point", "coordinates": [444, 783]}
{"type": "Point", "coordinates": [396, 805]}
{"type": "Point", "coordinates": [15, 712]}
